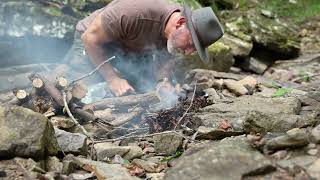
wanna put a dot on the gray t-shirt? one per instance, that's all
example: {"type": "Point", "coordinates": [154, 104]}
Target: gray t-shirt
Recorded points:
{"type": "Point", "coordinates": [136, 25]}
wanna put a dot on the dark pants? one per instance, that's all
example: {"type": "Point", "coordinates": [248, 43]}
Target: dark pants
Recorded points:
{"type": "Point", "coordinates": [138, 69]}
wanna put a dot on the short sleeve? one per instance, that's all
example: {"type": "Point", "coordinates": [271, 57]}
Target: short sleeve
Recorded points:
{"type": "Point", "coordinates": [121, 25]}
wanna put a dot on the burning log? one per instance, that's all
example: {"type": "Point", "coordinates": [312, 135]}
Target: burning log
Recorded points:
{"type": "Point", "coordinates": [142, 100]}
{"type": "Point", "coordinates": [122, 119]}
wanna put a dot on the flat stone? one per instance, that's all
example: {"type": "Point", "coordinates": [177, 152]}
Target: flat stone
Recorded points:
{"type": "Point", "coordinates": [259, 122]}
{"type": "Point", "coordinates": [315, 134]}
{"type": "Point", "coordinates": [237, 111]}
{"type": "Point", "coordinates": [155, 176]}
{"type": "Point", "coordinates": [25, 133]}
{"type": "Point", "coordinates": [249, 81]}
{"type": "Point", "coordinates": [62, 122]}
{"type": "Point", "coordinates": [109, 150]}
{"type": "Point", "coordinates": [54, 164]}
{"type": "Point", "coordinates": [167, 144]}
{"type": "Point", "coordinates": [215, 134]}
{"type": "Point", "coordinates": [104, 170]}
{"type": "Point", "coordinates": [303, 161]}
{"type": "Point", "coordinates": [231, 158]}
{"type": "Point", "coordinates": [293, 138]}
{"type": "Point", "coordinates": [313, 169]}
{"type": "Point", "coordinates": [71, 142]}
{"type": "Point", "coordinates": [235, 87]}
{"type": "Point", "coordinates": [149, 167]}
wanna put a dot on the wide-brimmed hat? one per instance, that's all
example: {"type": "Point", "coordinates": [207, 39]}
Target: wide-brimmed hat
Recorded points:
{"type": "Point", "coordinates": [205, 29]}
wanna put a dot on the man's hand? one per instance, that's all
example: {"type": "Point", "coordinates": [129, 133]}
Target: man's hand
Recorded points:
{"type": "Point", "coordinates": [119, 86]}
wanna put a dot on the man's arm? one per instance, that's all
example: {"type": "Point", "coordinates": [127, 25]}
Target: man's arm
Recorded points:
{"type": "Point", "coordinates": [94, 38]}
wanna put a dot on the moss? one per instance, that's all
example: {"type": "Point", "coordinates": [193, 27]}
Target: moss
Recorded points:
{"type": "Point", "coordinates": [218, 48]}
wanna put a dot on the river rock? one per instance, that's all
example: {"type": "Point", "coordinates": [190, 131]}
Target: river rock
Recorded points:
{"type": "Point", "coordinates": [235, 87]}
{"type": "Point", "coordinates": [235, 110]}
{"type": "Point", "coordinates": [104, 170]}
{"type": "Point", "coordinates": [303, 161]}
{"type": "Point", "coordinates": [215, 134]}
{"type": "Point", "coordinates": [62, 122]}
{"type": "Point", "coordinates": [54, 164]}
{"type": "Point", "coordinates": [109, 150]}
{"type": "Point", "coordinates": [148, 166]}
{"type": "Point", "coordinates": [25, 133]}
{"type": "Point", "coordinates": [231, 158]}
{"type": "Point", "coordinates": [167, 144]}
{"type": "Point", "coordinates": [315, 134]}
{"type": "Point", "coordinates": [71, 142]}
{"type": "Point", "coordinates": [260, 122]}
{"type": "Point", "coordinates": [313, 169]}
{"type": "Point", "coordinates": [293, 138]}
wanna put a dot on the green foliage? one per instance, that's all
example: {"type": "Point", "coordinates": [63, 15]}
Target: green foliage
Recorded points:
{"type": "Point", "coordinates": [298, 12]}
{"type": "Point", "coordinates": [281, 92]}
{"type": "Point", "coordinates": [167, 159]}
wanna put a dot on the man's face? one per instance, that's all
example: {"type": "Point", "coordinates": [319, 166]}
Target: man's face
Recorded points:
{"type": "Point", "coordinates": [180, 42]}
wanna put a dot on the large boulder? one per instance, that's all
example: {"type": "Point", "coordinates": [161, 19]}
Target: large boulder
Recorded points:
{"type": "Point", "coordinates": [231, 158]}
{"type": "Point", "coordinates": [25, 133]}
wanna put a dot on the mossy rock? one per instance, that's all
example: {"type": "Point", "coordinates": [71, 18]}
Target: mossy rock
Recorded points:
{"type": "Point", "coordinates": [192, 3]}
{"type": "Point", "coordinates": [221, 59]}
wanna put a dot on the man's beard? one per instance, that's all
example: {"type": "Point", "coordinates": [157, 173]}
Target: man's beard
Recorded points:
{"type": "Point", "coordinates": [172, 49]}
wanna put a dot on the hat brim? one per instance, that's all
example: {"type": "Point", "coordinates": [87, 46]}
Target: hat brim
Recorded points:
{"type": "Point", "coordinates": [202, 51]}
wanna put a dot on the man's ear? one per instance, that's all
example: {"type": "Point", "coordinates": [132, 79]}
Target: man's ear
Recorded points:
{"type": "Point", "coordinates": [181, 22]}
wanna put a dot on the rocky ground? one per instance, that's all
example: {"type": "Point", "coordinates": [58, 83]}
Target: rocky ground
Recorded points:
{"type": "Point", "coordinates": [252, 113]}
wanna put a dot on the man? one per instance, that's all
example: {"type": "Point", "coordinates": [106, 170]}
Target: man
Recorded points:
{"type": "Point", "coordinates": [137, 32]}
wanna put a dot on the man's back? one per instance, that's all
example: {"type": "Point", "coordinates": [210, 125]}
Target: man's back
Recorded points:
{"type": "Point", "coordinates": [135, 24]}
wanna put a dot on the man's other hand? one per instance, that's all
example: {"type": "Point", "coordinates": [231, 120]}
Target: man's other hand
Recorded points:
{"type": "Point", "coordinates": [119, 86]}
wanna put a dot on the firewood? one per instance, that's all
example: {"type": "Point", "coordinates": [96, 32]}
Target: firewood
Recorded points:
{"type": "Point", "coordinates": [78, 91]}
{"type": "Point", "coordinates": [37, 83]}
{"type": "Point", "coordinates": [124, 118]}
{"type": "Point", "coordinates": [61, 83]}
{"type": "Point", "coordinates": [142, 100]}
{"type": "Point", "coordinates": [21, 95]}
{"type": "Point", "coordinates": [49, 88]}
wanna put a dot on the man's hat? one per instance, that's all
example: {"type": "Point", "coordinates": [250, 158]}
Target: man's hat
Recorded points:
{"type": "Point", "coordinates": [205, 29]}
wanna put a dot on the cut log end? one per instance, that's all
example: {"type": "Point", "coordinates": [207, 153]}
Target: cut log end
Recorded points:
{"type": "Point", "coordinates": [61, 83]}
{"type": "Point", "coordinates": [21, 94]}
{"type": "Point", "coordinates": [37, 83]}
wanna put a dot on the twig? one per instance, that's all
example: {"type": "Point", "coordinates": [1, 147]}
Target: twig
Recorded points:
{"type": "Point", "coordinates": [185, 113]}
{"type": "Point", "coordinates": [144, 136]}
{"type": "Point", "coordinates": [85, 132]}
{"type": "Point", "coordinates": [93, 71]}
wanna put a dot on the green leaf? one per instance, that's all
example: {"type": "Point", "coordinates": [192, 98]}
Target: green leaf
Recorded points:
{"type": "Point", "coordinates": [178, 154]}
{"type": "Point", "coordinates": [281, 92]}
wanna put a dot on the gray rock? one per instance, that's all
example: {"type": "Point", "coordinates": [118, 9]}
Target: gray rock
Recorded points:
{"type": "Point", "coordinates": [300, 161]}
{"type": "Point", "coordinates": [148, 166]}
{"type": "Point", "coordinates": [155, 176]}
{"type": "Point", "coordinates": [68, 167]}
{"type": "Point", "coordinates": [167, 144]}
{"type": "Point", "coordinates": [313, 169]}
{"type": "Point", "coordinates": [239, 47]}
{"type": "Point", "coordinates": [62, 122]}
{"type": "Point", "coordinates": [236, 110]}
{"type": "Point", "coordinates": [54, 164]}
{"type": "Point", "coordinates": [315, 134]}
{"type": "Point", "coordinates": [235, 87]}
{"type": "Point", "coordinates": [293, 138]}
{"type": "Point", "coordinates": [231, 158]}
{"type": "Point", "coordinates": [25, 133]}
{"type": "Point", "coordinates": [244, 104]}
{"type": "Point", "coordinates": [71, 142]}
{"type": "Point", "coordinates": [109, 150]}
{"type": "Point", "coordinates": [260, 122]}
{"type": "Point", "coordinates": [215, 134]}
{"type": "Point", "coordinates": [256, 65]}
{"type": "Point", "coordinates": [104, 170]}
